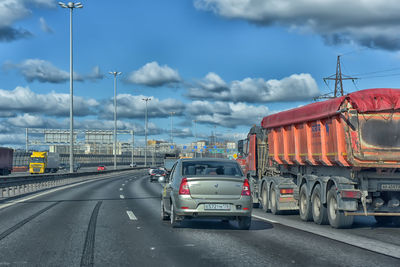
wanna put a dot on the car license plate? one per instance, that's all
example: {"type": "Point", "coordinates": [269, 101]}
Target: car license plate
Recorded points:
{"type": "Point", "coordinates": [390, 187]}
{"type": "Point", "coordinates": [217, 206]}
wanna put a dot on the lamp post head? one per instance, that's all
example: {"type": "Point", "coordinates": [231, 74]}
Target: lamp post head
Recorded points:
{"type": "Point", "coordinates": [115, 73]}
{"type": "Point", "coordinates": [71, 5]}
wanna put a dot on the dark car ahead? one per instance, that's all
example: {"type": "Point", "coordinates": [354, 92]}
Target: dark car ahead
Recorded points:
{"type": "Point", "coordinates": [207, 188]}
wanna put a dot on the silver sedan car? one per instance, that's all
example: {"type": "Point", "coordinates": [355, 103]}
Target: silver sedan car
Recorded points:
{"type": "Point", "coordinates": [207, 188]}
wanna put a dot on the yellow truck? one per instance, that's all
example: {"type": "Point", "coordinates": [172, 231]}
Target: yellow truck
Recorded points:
{"type": "Point", "coordinates": [43, 162]}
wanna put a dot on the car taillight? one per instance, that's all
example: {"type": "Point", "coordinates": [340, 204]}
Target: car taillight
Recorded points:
{"type": "Point", "coordinates": [184, 188]}
{"type": "Point", "coordinates": [286, 191]}
{"type": "Point", "coordinates": [246, 188]}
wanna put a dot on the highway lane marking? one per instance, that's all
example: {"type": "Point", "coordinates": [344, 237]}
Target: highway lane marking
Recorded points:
{"type": "Point", "coordinates": [350, 239]}
{"type": "Point", "coordinates": [121, 196]}
{"type": "Point", "coordinates": [131, 216]}
{"type": "Point", "coordinates": [264, 219]}
{"type": "Point", "coordinates": [120, 189]}
{"type": "Point", "coordinates": [49, 191]}
{"type": "Point", "coordinates": [123, 184]}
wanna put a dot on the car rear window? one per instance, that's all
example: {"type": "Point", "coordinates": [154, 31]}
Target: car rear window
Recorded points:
{"type": "Point", "coordinates": [202, 168]}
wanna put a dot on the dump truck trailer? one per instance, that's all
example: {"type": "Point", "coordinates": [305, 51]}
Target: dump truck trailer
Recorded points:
{"type": "Point", "coordinates": [331, 160]}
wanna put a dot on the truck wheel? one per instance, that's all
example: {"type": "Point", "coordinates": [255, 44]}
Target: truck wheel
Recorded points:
{"type": "Point", "coordinates": [274, 202]}
{"type": "Point", "coordinates": [336, 217]}
{"type": "Point", "coordinates": [264, 198]}
{"type": "Point", "coordinates": [164, 215]}
{"type": "Point", "coordinates": [244, 222]}
{"type": "Point", "coordinates": [319, 213]}
{"type": "Point", "coordinates": [304, 204]}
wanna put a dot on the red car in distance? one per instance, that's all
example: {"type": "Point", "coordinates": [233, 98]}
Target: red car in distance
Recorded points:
{"type": "Point", "coordinates": [101, 168]}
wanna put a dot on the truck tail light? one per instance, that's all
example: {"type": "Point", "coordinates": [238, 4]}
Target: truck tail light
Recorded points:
{"type": "Point", "coordinates": [246, 188]}
{"type": "Point", "coordinates": [184, 187]}
{"type": "Point", "coordinates": [286, 191]}
{"type": "Point", "coordinates": [350, 194]}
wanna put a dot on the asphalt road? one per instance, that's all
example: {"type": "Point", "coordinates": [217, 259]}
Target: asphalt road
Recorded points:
{"type": "Point", "coordinates": [115, 221]}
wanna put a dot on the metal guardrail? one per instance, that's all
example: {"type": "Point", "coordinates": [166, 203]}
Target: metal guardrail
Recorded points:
{"type": "Point", "coordinates": [12, 187]}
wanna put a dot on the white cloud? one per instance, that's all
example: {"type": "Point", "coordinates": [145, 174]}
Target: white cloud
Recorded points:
{"type": "Point", "coordinates": [12, 139]}
{"type": "Point", "coordinates": [228, 115]}
{"type": "Point", "coordinates": [12, 11]}
{"type": "Point", "coordinates": [130, 106]}
{"type": "Point", "coordinates": [368, 23]}
{"type": "Point", "coordinates": [44, 26]}
{"type": "Point", "coordinates": [182, 132]}
{"type": "Point", "coordinates": [96, 74]}
{"type": "Point", "coordinates": [33, 121]}
{"type": "Point", "coordinates": [257, 90]}
{"type": "Point", "coordinates": [42, 71]}
{"type": "Point", "coordinates": [154, 75]}
{"type": "Point", "coordinates": [22, 99]}
{"type": "Point", "coordinates": [212, 82]}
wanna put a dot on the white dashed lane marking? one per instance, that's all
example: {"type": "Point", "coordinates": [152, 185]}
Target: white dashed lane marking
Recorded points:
{"type": "Point", "coordinates": [131, 216]}
{"type": "Point", "coordinates": [121, 196]}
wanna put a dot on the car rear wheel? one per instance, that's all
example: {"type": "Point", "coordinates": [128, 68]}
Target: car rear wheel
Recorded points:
{"type": "Point", "coordinates": [172, 217]}
{"type": "Point", "coordinates": [244, 222]}
{"type": "Point", "coordinates": [164, 215]}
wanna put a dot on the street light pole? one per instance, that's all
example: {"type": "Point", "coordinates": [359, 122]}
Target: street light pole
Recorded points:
{"type": "Point", "coordinates": [133, 146]}
{"type": "Point", "coordinates": [172, 138]}
{"type": "Point", "coordinates": [195, 139]}
{"type": "Point", "coordinates": [71, 6]}
{"type": "Point", "coordinates": [115, 73]}
{"type": "Point", "coordinates": [145, 131]}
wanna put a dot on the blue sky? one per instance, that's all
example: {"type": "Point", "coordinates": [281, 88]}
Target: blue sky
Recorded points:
{"type": "Point", "coordinates": [224, 63]}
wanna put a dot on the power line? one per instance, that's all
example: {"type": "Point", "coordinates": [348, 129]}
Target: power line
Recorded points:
{"type": "Point", "coordinates": [381, 76]}
{"type": "Point", "coordinates": [379, 71]}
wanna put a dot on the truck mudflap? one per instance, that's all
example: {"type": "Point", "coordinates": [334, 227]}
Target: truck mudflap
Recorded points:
{"type": "Point", "coordinates": [347, 204]}
{"type": "Point", "coordinates": [284, 190]}
{"type": "Point", "coordinates": [286, 196]}
{"type": "Point", "coordinates": [288, 204]}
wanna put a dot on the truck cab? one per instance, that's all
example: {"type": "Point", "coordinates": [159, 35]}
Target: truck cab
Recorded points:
{"type": "Point", "coordinates": [38, 162]}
